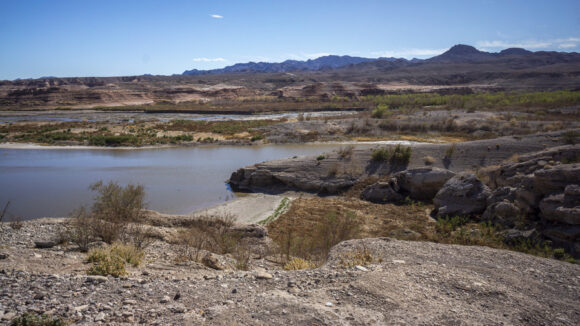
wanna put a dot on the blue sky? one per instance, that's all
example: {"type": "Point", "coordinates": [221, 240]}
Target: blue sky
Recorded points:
{"type": "Point", "coordinates": [119, 38]}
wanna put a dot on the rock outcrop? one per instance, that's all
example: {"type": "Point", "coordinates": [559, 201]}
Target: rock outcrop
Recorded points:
{"type": "Point", "coordinates": [463, 195]}
{"type": "Point", "coordinates": [383, 192]}
{"type": "Point", "coordinates": [418, 184]}
{"type": "Point", "coordinates": [542, 189]}
{"type": "Point", "coordinates": [422, 183]}
{"type": "Point", "coordinates": [564, 207]}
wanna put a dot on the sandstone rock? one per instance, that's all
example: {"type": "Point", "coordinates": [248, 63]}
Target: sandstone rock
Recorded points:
{"type": "Point", "coordinates": [554, 180]}
{"type": "Point", "coordinates": [567, 237]}
{"type": "Point", "coordinates": [564, 207]}
{"type": "Point", "coordinates": [422, 183]}
{"type": "Point", "coordinates": [463, 195]}
{"type": "Point", "coordinates": [261, 275]}
{"type": "Point", "coordinates": [503, 212]}
{"type": "Point", "coordinates": [382, 192]}
{"type": "Point", "coordinates": [218, 262]}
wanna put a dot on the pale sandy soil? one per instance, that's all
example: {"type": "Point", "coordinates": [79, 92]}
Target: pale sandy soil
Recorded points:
{"type": "Point", "coordinates": [251, 208]}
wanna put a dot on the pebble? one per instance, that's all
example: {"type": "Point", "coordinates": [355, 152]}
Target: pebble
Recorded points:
{"type": "Point", "coordinates": [263, 276]}
{"type": "Point", "coordinates": [361, 268]}
{"type": "Point", "coordinates": [100, 317]}
{"type": "Point", "coordinates": [96, 279]}
{"type": "Point", "coordinates": [165, 299]}
{"type": "Point", "coordinates": [329, 304]}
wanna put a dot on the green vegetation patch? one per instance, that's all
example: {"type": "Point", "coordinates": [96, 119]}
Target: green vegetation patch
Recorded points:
{"type": "Point", "coordinates": [398, 155]}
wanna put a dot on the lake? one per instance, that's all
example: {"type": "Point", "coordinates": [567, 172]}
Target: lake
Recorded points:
{"type": "Point", "coordinates": [52, 182]}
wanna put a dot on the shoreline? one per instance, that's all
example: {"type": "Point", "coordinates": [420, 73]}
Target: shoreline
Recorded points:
{"type": "Point", "coordinates": [11, 145]}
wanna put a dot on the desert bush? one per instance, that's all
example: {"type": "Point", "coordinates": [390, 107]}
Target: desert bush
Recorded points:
{"type": "Point", "coordinates": [33, 319]}
{"type": "Point", "coordinates": [128, 252]}
{"type": "Point", "coordinates": [112, 260]}
{"type": "Point", "coordinates": [108, 265]}
{"type": "Point", "coordinates": [16, 222]}
{"type": "Point", "coordinates": [320, 157]}
{"type": "Point", "coordinates": [334, 229]}
{"type": "Point", "coordinates": [298, 264]}
{"type": "Point", "coordinates": [360, 256]}
{"type": "Point", "coordinates": [211, 233]}
{"type": "Point", "coordinates": [80, 229]}
{"type": "Point", "coordinates": [242, 255]}
{"type": "Point", "coordinates": [115, 207]}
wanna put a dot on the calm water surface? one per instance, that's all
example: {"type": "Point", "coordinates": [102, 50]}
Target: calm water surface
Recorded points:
{"type": "Point", "coordinates": [52, 182]}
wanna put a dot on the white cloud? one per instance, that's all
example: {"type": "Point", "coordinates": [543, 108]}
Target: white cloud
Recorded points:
{"type": "Point", "coordinates": [408, 53]}
{"type": "Point", "coordinates": [505, 45]}
{"type": "Point", "coordinates": [209, 59]}
{"type": "Point", "coordinates": [306, 56]}
{"type": "Point", "coordinates": [216, 16]}
{"type": "Point", "coordinates": [565, 43]}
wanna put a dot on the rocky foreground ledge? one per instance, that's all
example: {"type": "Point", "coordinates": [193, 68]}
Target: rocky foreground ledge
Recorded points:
{"type": "Point", "coordinates": [407, 283]}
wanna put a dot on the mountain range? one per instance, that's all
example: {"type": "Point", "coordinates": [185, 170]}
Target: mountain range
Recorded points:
{"type": "Point", "coordinates": [514, 57]}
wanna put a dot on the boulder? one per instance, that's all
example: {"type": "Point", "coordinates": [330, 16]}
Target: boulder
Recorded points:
{"type": "Point", "coordinates": [423, 183]}
{"type": "Point", "coordinates": [218, 262]}
{"type": "Point", "coordinates": [565, 236]}
{"type": "Point", "coordinates": [503, 212]}
{"type": "Point", "coordinates": [563, 207]}
{"type": "Point", "coordinates": [555, 179]}
{"type": "Point", "coordinates": [463, 195]}
{"type": "Point", "coordinates": [382, 192]}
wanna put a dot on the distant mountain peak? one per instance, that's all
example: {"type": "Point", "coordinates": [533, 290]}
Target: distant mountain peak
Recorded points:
{"type": "Point", "coordinates": [514, 51]}
{"type": "Point", "coordinates": [461, 53]}
{"type": "Point", "coordinates": [462, 49]}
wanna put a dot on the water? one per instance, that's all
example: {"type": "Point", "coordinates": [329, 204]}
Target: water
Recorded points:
{"type": "Point", "coordinates": [116, 117]}
{"type": "Point", "coordinates": [53, 182]}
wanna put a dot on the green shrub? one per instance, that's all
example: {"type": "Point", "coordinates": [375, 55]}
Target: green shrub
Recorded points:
{"type": "Point", "coordinates": [320, 157]}
{"type": "Point", "coordinates": [108, 265]}
{"type": "Point", "coordinates": [380, 111]}
{"type": "Point", "coordinates": [446, 225]}
{"type": "Point", "coordinates": [33, 319]}
{"type": "Point", "coordinates": [381, 155]}
{"type": "Point", "coordinates": [100, 140]}
{"type": "Point", "coordinates": [112, 260]}
{"type": "Point", "coordinates": [398, 155]}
